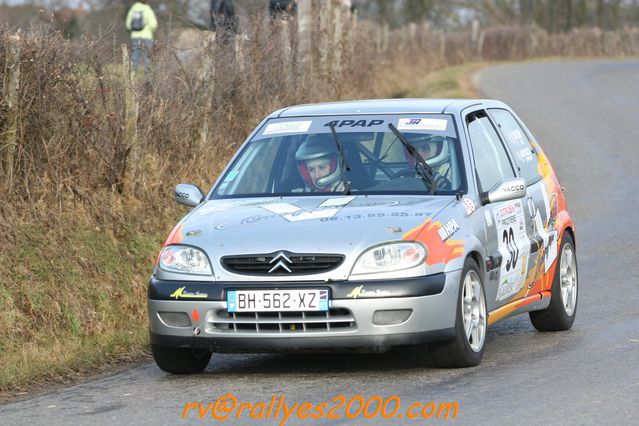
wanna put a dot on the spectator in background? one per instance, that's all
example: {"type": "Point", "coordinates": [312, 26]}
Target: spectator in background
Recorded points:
{"type": "Point", "coordinates": [223, 19]}
{"type": "Point", "coordinates": [141, 22]}
{"type": "Point", "coordinates": [282, 9]}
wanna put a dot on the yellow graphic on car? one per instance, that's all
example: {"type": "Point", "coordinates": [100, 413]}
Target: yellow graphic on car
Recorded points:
{"type": "Point", "coordinates": [357, 291]}
{"type": "Point", "coordinates": [181, 294]}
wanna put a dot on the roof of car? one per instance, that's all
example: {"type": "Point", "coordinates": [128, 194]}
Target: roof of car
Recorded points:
{"type": "Point", "coordinates": [381, 106]}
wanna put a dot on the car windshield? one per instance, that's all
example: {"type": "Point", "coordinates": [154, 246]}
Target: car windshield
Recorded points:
{"type": "Point", "coordinates": [300, 155]}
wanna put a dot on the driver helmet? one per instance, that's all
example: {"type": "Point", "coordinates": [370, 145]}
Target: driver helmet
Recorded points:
{"type": "Point", "coordinates": [317, 162]}
{"type": "Point", "coordinates": [433, 149]}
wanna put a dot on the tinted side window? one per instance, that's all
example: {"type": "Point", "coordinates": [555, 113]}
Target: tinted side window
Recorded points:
{"type": "Point", "coordinates": [525, 156]}
{"type": "Point", "coordinates": [491, 161]}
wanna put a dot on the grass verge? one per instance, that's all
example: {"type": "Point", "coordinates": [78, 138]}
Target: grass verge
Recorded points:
{"type": "Point", "coordinates": [73, 297]}
{"type": "Point", "coordinates": [451, 82]}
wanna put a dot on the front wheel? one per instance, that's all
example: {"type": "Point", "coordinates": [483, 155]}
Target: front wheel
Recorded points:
{"type": "Point", "coordinates": [181, 360]}
{"type": "Point", "coordinates": [561, 312]}
{"type": "Point", "coordinates": [467, 348]}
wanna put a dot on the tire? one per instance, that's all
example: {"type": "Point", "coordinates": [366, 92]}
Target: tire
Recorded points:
{"type": "Point", "coordinates": [561, 312]}
{"type": "Point", "coordinates": [464, 350]}
{"type": "Point", "coordinates": [181, 360]}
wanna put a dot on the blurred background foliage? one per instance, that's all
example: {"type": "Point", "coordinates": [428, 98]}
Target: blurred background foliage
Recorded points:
{"type": "Point", "coordinates": [75, 17]}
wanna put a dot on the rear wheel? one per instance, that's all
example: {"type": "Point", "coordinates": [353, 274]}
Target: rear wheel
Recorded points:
{"type": "Point", "coordinates": [467, 348]}
{"type": "Point", "coordinates": [561, 312]}
{"type": "Point", "coordinates": [181, 360]}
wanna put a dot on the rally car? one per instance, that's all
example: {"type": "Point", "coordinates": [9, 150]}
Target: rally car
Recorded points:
{"type": "Point", "coordinates": [367, 225]}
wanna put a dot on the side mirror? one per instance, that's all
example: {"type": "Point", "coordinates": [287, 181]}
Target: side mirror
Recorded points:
{"type": "Point", "coordinates": [507, 189]}
{"type": "Point", "coordinates": [187, 194]}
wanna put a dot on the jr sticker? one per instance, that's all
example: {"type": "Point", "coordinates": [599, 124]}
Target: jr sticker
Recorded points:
{"type": "Point", "coordinates": [514, 247]}
{"type": "Point", "coordinates": [422, 124]}
{"type": "Point", "coordinates": [288, 127]}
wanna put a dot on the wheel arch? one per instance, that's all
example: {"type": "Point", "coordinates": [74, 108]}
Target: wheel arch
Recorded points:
{"type": "Point", "coordinates": [477, 257]}
{"type": "Point", "coordinates": [568, 226]}
{"type": "Point", "coordinates": [571, 232]}
{"type": "Point", "coordinates": [474, 249]}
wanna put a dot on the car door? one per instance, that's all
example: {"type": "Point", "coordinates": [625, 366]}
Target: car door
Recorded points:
{"type": "Point", "coordinates": [541, 204]}
{"type": "Point", "coordinates": [507, 223]}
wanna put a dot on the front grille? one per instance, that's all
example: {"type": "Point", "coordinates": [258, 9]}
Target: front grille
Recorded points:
{"type": "Point", "coordinates": [282, 263]}
{"type": "Point", "coordinates": [333, 320]}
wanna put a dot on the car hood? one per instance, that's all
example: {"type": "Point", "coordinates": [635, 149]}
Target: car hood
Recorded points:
{"type": "Point", "coordinates": [307, 224]}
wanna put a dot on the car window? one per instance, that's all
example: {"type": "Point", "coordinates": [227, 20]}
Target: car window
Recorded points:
{"type": "Point", "coordinates": [252, 172]}
{"type": "Point", "coordinates": [296, 156]}
{"type": "Point", "coordinates": [491, 160]}
{"type": "Point", "coordinates": [386, 148]}
{"type": "Point", "coordinates": [515, 137]}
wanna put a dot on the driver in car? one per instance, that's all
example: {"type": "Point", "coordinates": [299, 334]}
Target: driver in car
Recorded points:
{"type": "Point", "coordinates": [435, 152]}
{"type": "Point", "coordinates": [318, 164]}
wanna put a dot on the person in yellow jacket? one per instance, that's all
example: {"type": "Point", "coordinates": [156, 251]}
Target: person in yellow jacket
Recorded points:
{"type": "Point", "coordinates": [141, 22]}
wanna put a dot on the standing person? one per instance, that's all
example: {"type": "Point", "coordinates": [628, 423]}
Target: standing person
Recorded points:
{"type": "Point", "coordinates": [282, 9]}
{"type": "Point", "coordinates": [141, 22]}
{"type": "Point", "coordinates": [223, 20]}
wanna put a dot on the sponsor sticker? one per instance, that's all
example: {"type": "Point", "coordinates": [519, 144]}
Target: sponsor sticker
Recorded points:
{"type": "Point", "coordinates": [287, 127]}
{"type": "Point", "coordinates": [422, 124]}
{"type": "Point", "coordinates": [292, 213]}
{"type": "Point", "coordinates": [514, 247]}
{"type": "Point", "coordinates": [354, 123]}
{"type": "Point", "coordinates": [525, 155]}
{"type": "Point", "coordinates": [469, 205]}
{"type": "Point", "coordinates": [213, 207]}
{"type": "Point", "coordinates": [548, 233]}
{"type": "Point", "coordinates": [448, 229]}
{"type": "Point", "coordinates": [361, 291]}
{"type": "Point", "coordinates": [516, 137]}
{"type": "Point", "coordinates": [182, 293]}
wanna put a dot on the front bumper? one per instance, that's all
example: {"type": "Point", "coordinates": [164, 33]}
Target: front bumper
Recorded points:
{"type": "Point", "coordinates": [432, 302]}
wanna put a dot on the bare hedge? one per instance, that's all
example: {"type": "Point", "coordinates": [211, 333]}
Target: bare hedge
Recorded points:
{"type": "Point", "coordinates": [197, 104]}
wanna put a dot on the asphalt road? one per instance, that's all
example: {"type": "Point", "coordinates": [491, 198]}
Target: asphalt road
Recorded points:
{"type": "Point", "coordinates": [584, 114]}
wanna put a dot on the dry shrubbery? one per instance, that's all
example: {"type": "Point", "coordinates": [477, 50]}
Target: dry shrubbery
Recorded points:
{"type": "Point", "coordinates": [72, 103]}
{"type": "Point", "coordinates": [511, 43]}
{"type": "Point", "coordinates": [86, 206]}
{"type": "Point", "coordinates": [72, 99]}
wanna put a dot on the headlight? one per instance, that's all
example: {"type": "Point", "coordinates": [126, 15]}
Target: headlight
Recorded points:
{"type": "Point", "coordinates": [185, 259]}
{"type": "Point", "coordinates": [390, 257]}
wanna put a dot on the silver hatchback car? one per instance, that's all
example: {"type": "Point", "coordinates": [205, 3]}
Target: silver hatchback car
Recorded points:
{"type": "Point", "coordinates": [367, 224]}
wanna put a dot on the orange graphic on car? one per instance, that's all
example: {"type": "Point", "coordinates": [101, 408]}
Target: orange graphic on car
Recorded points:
{"type": "Point", "coordinates": [439, 250]}
{"type": "Point", "coordinates": [175, 237]}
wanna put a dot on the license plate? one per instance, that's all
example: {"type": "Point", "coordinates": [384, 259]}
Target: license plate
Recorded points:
{"type": "Point", "coordinates": [277, 300]}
